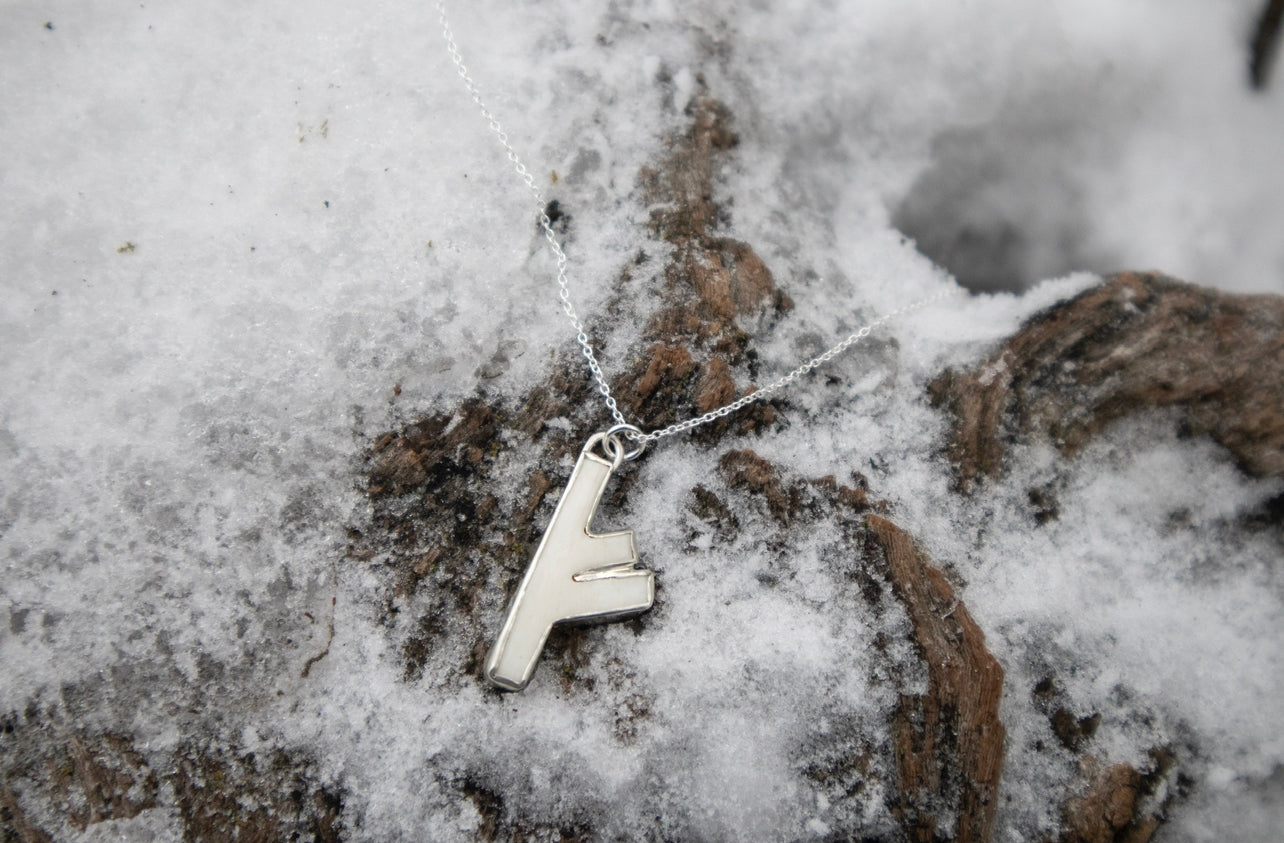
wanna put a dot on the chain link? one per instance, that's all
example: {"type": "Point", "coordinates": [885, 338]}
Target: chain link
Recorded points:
{"type": "Point", "coordinates": [581, 333]}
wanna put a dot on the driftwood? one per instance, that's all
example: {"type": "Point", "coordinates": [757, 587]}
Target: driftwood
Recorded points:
{"type": "Point", "coordinates": [952, 731]}
{"type": "Point", "coordinates": [1139, 341]}
{"type": "Point", "coordinates": [1115, 807]}
{"type": "Point", "coordinates": [949, 741]}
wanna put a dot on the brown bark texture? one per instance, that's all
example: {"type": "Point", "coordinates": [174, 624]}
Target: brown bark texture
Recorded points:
{"type": "Point", "coordinates": [1140, 341]}
{"type": "Point", "coordinates": [87, 776]}
{"type": "Point", "coordinates": [949, 741]}
{"type": "Point", "coordinates": [1118, 804]}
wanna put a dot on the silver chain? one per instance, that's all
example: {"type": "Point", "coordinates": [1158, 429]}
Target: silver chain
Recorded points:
{"type": "Point", "coordinates": [581, 334]}
{"type": "Point", "coordinates": [528, 178]}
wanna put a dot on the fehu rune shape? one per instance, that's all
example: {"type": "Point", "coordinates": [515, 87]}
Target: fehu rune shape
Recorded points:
{"type": "Point", "coordinates": [575, 575]}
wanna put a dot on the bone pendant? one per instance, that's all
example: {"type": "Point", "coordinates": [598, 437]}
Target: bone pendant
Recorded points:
{"type": "Point", "coordinates": [575, 575]}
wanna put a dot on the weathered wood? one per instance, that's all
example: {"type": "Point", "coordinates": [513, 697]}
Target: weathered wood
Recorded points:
{"type": "Point", "coordinates": [87, 776]}
{"type": "Point", "coordinates": [949, 741]}
{"type": "Point", "coordinates": [1118, 805]}
{"type": "Point", "coordinates": [710, 281]}
{"type": "Point", "coordinates": [1137, 342]}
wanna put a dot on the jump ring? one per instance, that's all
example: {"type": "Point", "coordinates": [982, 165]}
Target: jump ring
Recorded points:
{"type": "Point", "coordinates": [614, 434]}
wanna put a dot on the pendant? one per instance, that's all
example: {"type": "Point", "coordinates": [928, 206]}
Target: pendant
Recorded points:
{"type": "Point", "coordinates": [575, 575]}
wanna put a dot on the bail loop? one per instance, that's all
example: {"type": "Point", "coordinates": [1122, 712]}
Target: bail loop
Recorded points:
{"type": "Point", "coordinates": [614, 443]}
{"type": "Point", "coordinates": [611, 450]}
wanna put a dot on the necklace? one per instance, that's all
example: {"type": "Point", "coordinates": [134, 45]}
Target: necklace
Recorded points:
{"type": "Point", "coordinates": [576, 574]}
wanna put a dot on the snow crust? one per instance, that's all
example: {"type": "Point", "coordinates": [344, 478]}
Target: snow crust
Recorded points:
{"type": "Point", "coordinates": [231, 229]}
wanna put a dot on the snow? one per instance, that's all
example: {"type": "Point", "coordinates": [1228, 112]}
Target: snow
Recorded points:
{"type": "Point", "coordinates": [230, 230]}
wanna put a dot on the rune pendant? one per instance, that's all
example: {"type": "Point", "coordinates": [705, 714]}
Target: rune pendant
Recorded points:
{"type": "Point", "coordinates": [575, 575]}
